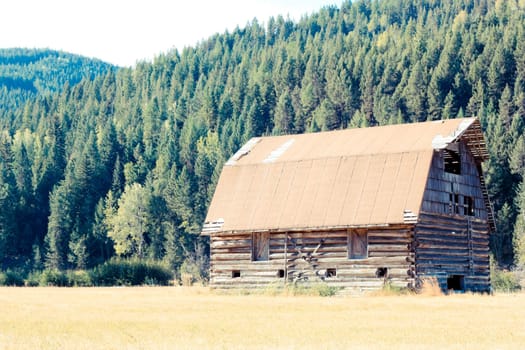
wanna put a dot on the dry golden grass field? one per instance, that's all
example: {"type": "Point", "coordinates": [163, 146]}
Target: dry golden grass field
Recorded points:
{"type": "Point", "coordinates": [195, 318]}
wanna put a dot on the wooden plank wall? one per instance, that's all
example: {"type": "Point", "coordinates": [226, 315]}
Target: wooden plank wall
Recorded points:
{"type": "Point", "coordinates": [440, 184]}
{"type": "Point", "coordinates": [444, 247]}
{"type": "Point", "coordinates": [312, 256]}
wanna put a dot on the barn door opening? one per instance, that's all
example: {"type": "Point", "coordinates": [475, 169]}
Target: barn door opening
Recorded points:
{"type": "Point", "coordinates": [456, 283]}
{"type": "Point", "coordinates": [260, 246]}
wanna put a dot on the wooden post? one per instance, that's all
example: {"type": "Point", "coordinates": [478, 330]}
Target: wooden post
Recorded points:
{"type": "Point", "coordinates": [470, 246]}
{"type": "Point", "coordinates": [285, 258]}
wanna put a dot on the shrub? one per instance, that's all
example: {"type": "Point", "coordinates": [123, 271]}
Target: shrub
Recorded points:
{"type": "Point", "coordinates": [52, 277]}
{"type": "Point", "coordinates": [195, 267]}
{"type": "Point", "coordinates": [504, 281]}
{"type": "Point", "coordinates": [11, 278]}
{"type": "Point", "coordinates": [79, 278]}
{"type": "Point", "coordinates": [190, 273]}
{"type": "Point", "coordinates": [33, 279]}
{"type": "Point", "coordinates": [123, 272]}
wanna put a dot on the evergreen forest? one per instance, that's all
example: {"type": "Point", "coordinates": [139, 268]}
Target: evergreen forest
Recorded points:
{"type": "Point", "coordinates": [26, 73]}
{"type": "Point", "coordinates": [98, 162]}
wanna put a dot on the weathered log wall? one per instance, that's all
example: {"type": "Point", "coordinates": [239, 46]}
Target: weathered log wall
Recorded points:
{"type": "Point", "coordinates": [315, 256]}
{"type": "Point", "coordinates": [453, 245]}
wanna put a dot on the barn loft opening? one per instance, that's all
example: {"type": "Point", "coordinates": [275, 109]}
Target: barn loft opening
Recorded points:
{"type": "Point", "coordinates": [332, 272]}
{"type": "Point", "coordinates": [280, 273]}
{"type": "Point", "coordinates": [456, 283]}
{"type": "Point", "coordinates": [452, 161]}
{"type": "Point", "coordinates": [236, 273]}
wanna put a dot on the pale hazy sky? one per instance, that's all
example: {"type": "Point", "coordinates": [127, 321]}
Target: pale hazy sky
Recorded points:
{"type": "Point", "coordinates": [125, 31]}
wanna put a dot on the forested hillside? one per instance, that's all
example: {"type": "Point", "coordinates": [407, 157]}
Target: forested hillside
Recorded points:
{"type": "Point", "coordinates": [26, 73]}
{"type": "Point", "coordinates": [126, 163]}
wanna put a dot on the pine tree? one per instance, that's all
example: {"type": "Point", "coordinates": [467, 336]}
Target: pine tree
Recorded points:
{"type": "Point", "coordinates": [173, 252]}
{"type": "Point", "coordinates": [506, 107]}
{"type": "Point", "coordinates": [501, 242]}
{"type": "Point", "coordinates": [367, 96]}
{"type": "Point", "coordinates": [257, 121]}
{"type": "Point", "coordinates": [519, 230]}
{"type": "Point", "coordinates": [22, 173]}
{"type": "Point", "coordinates": [477, 100]}
{"type": "Point", "coordinates": [180, 200]}
{"type": "Point", "coordinates": [78, 252]}
{"type": "Point", "coordinates": [8, 205]}
{"type": "Point", "coordinates": [449, 109]}
{"type": "Point", "coordinates": [152, 120]}
{"type": "Point", "coordinates": [98, 247]}
{"type": "Point", "coordinates": [284, 115]}
{"type": "Point", "coordinates": [59, 227]}
{"type": "Point", "coordinates": [415, 94]}
{"type": "Point", "coordinates": [326, 116]}
{"type": "Point", "coordinates": [517, 157]}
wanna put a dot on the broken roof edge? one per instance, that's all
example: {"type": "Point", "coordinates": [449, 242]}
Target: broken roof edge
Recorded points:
{"type": "Point", "coordinates": [468, 125]}
{"type": "Point", "coordinates": [440, 141]}
{"type": "Point", "coordinates": [469, 128]}
{"type": "Point", "coordinates": [244, 150]}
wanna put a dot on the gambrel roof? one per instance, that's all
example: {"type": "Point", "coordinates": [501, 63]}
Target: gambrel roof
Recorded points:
{"type": "Point", "coordinates": [337, 179]}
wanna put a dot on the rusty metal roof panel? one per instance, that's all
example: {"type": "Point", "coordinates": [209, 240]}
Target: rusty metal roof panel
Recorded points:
{"type": "Point", "coordinates": [295, 193]}
{"type": "Point", "coordinates": [339, 189]}
{"type": "Point", "coordinates": [280, 189]}
{"type": "Point", "coordinates": [323, 197]}
{"type": "Point", "coordinates": [385, 188]}
{"type": "Point", "coordinates": [314, 185]}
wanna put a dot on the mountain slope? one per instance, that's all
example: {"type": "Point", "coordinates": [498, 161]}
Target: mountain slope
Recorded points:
{"type": "Point", "coordinates": [24, 73]}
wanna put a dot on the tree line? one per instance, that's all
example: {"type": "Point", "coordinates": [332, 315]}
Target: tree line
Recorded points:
{"type": "Point", "coordinates": [124, 163]}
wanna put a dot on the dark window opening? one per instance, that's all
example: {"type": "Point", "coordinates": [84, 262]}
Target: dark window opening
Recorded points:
{"type": "Point", "coordinates": [280, 273]}
{"type": "Point", "coordinates": [452, 161]}
{"type": "Point", "coordinates": [236, 273]}
{"type": "Point", "coordinates": [331, 272]}
{"type": "Point", "coordinates": [260, 246]}
{"type": "Point", "coordinates": [468, 206]}
{"type": "Point", "coordinates": [456, 282]}
{"type": "Point", "coordinates": [357, 245]}
{"type": "Point", "coordinates": [382, 272]}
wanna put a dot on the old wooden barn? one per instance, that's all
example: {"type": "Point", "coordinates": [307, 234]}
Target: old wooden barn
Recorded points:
{"type": "Point", "coordinates": [355, 208]}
